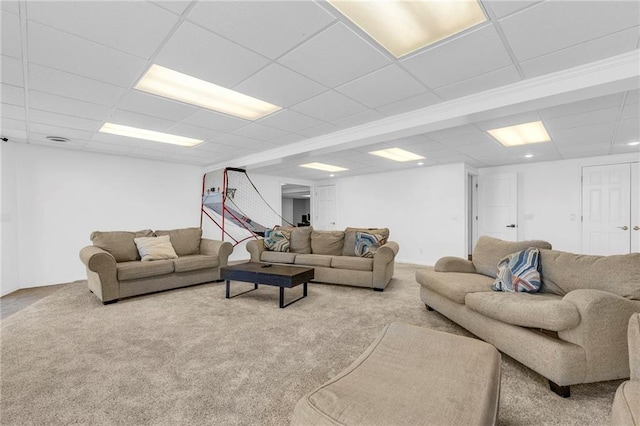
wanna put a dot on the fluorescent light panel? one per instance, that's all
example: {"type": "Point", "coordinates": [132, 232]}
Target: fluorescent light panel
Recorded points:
{"type": "Point", "coordinates": [150, 135]}
{"type": "Point", "coordinates": [403, 27]}
{"type": "Point", "coordinates": [174, 85]}
{"type": "Point", "coordinates": [397, 154]}
{"type": "Point", "coordinates": [521, 134]}
{"type": "Point", "coordinates": [323, 167]}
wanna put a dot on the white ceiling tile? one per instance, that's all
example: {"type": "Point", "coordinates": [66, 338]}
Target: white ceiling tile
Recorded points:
{"type": "Point", "coordinates": [258, 131]}
{"type": "Point", "coordinates": [483, 82]}
{"type": "Point", "coordinates": [583, 119]}
{"type": "Point", "coordinates": [107, 147]}
{"type": "Point", "coordinates": [583, 53]}
{"type": "Point", "coordinates": [586, 135]}
{"type": "Point", "coordinates": [61, 120]}
{"type": "Point", "coordinates": [14, 135]}
{"type": "Point", "coordinates": [633, 96]}
{"type": "Point", "coordinates": [10, 6]}
{"type": "Point", "coordinates": [54, 130]}
{"type": "Point", "coordinates": [215, 121]}
{"type": "Point", "coordinates": [134, 27]}
{"type": "Point", "coordinates": [11, 35]}
{"type": "Point", "coordinates": [511, 120]}
{"type": "Point", "coordinates": [415, 102]}
{"type": "Point", "coordinates": [587, 150]}
{"type": "Point", "coordinates": [12, 95]}
{"type": "Point", "coordinates": [195, 132]}
{"type": "Point", "coordinates": [628, 131]}
{"type": "Point", "coordinates": [335, 56]}
{"type": "Point", "coordinates": [503, 8]}
{"type": "Point", "coordinates": [177, 7]}
{"type": "Point", "coordinates": [288, 139]}
{"type": "Point", "coordinates": [471, 54]}
{"type": "Point", "coordinates": [290, 120]}
{"type": "Point", "coordinates": [53, 103]}
{"type": "Point", "coordinates": [554, 25]}
{"type": "Point", "coordinates": [452, 132]}
{"type": "Point", "coordinates": [11, 124]}
{"type": "Point", "coordinates": [631, 110]}
{"type": "Point", "coordinates": [141, 121]}
{"type": "Point", "coordinates": [359, 118]}
{"type": "Point", "coordinates": [329, 106]}
{"type": "Point", "coordinates": [220, 149]}
{"type": "Point", "coordinates": [115, 139]}
{"type": "Point", "coordinates": [59, 50]}
{"type": "Point", "coordinates": [320, 130]}
{"type": "Point", "coordinates": [468, 139]}
{"type": "Point", "coordinates": [624, 149]}
{"type": "Point", "coordinates": [239, 141]}
{"type": "Point", "coordinates": [592, 104]}
{"type": "Point", "coordinates": [163, 147]}
{"type": "Point", "coordinates": [156, 106]}
{"type": "Point", "coordinates": [11, 71]}
{"type": "Point", "coordinates": [202, 54]}
{"type": "Point", "coordinates": [382, 87]}
{"type": "Point", "coordinates": [12, 111]}
{"type": "Point", "coordinates": [280, 86]}
{"type": "Point", "coordinates": [269, 28]}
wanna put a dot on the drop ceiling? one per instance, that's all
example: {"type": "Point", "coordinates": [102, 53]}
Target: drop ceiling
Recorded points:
{"type": "Point", "coordinates": [69, 67]}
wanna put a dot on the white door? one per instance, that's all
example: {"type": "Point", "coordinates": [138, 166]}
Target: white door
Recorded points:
{"type": "Point", "coordinates": [635, 208]}
{"type": "Point", "coordinates": [325, 207]}
{"type": "Point", "coordinates": [606, 209]}
{"type": "Point", "coordinates": [498, 206]}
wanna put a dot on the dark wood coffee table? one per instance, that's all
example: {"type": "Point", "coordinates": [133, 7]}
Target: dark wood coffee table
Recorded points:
{"type": "Point", "coordinates": [282, 276]}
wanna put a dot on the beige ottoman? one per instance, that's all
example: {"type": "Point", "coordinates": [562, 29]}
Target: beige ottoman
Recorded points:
{"type": "Point", "coordinates": [410, 376]}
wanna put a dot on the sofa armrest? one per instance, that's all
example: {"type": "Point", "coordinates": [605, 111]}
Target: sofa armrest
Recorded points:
{"type": "Point", "coordinates": [602, 332]}
{"type": "Point", "coordinates": [222, 249]}
{"type": "Point", "coordinates": [454, 264]}
{"type": "Point", "coordinates": [255, 248]}
{"type": "Point", "coordinates": [97, 259]}
{"type": "Point", "coordinates": [634, 346]}
{"type": "Point", "coordinates": [383, 264]}
{"type": "Point", "coordinates": [102, 273]}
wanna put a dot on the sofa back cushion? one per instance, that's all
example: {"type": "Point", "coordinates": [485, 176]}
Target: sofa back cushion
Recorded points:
{"type": "Point", "coordinates": [488, 252]}
{"type": "Point", "coordinates": [120, 243]}
{"type": "Point", "coordinates": [185, 241]}
{"type": "Point", "coordinates": [349, 247]}
{"type": "Point", "coordinates": [327, 242]}
{"type": "Point", "coordinates": [301, 240]}
{"type": "Point", "coordinates": [563, 272]}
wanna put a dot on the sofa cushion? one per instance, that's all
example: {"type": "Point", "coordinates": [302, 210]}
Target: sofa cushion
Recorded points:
{"type": "Point", "coordinates": [195, 262]}
{"type": "Point", "coordinates": [327, 242]}
{"type": "Point", "coordinates": [519, 272]}
{"type": "Point", "coordinates": [313, 260]}
{"type": "Point", "coordinates": [349, 247]}
{"type": "Point", "coordinates": [368, 244]}
{"type": "Point", "coordinates": [539, 310]}
{"type": "Point", "coordinates": [563, 272]}
{"type": "Point", "coordinates": [277, 257]}
{"type": "Point", "coordinates": [276, 240]}
{"type": "Point", "coordinates": [453, 285]}
{"type": "Point", "coordinates": [155, 248]}
{"type": "Point", "coordinates": [137, 269]}
{"type": "Point", "coordinates": [120, 244]}
{"type": "Point", "coordinates": [488, 252]}
{"type": "Point", "coordinates": [352, 263]}
{"type": "Point", "coordinates": [301, 240]}
{"type": "Point", "coordinates": [185, 241]}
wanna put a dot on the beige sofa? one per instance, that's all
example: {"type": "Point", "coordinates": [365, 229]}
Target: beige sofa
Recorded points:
{"type": "Point", "coordinates": [626, 404]}
{"type": "Point", "coordinates": [572, 331]}
{"type": "Point", "coordinates": [115, 271]}
{"type": "Point", "coordinates": [332, 255]}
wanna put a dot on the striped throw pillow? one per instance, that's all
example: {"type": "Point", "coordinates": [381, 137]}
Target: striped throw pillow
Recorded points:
{"type": "Point", "coordinates": [277, 240]}
{"type": "Point", "coordinates": [519, 272]}
{"type": "Point", "coordinates": [368, 244]}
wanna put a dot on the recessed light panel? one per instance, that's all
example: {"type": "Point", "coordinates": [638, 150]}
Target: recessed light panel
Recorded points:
{"type": "Point", "coordinates": [521, 134]}
{"type": "Point", "coordinates": [149, 135]}
{"type": "Point", "coordinates": [323, 167]}
{"type": "Point", "coordinates": [397, 154]}
{"type": "Point", "coordinates": [174, 85]}
{"type": "Point", "coordinates": [403, 27]}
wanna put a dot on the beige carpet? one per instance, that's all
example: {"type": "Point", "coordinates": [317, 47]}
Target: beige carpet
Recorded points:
{"type": "Point", "coordinates": [191, 357]}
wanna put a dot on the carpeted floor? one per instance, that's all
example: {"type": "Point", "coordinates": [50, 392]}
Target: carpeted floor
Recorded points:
{"type": "Point", "coordinates": [191, 357]}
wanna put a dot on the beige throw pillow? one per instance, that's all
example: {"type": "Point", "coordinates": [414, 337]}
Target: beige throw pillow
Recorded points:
{"type": "Point", "coordinates": [155, 248]}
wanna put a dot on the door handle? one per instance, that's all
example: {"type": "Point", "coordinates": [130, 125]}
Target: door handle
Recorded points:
{"type": "Point", "coordinates": [513, 225]}
{"type": "Point", "coordinates": [636, 228]}
{"type": "Point", "coordinates": [624, 228]}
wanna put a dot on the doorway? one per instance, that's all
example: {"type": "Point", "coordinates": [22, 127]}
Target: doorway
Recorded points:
{"type": "Point", "coordinates": [296, 204]}
{"type": "Point", "coordinates": [326, 212]}
{"type": "Point", "coordinates": [498, 206]}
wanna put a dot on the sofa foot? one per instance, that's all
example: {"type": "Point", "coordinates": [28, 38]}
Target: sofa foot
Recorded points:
{"type": "Point", "coordinates": [109, 302]}
{"type": "Point", "coordinates": [563, 391]}
{"type": "Point", "coordinates": [429, 308]}
{"type": "Point", "coordinates": [378, 289]}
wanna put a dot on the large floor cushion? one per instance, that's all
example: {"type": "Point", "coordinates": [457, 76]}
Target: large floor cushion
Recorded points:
{"type": "Point", "coordinates": [410, 376]}
{"type": "Point", "coordinates": [453, 285]}
{"type": "Point", "coordinates": [538, 310]}
{"type": "Point", "coordinates": [137, 269]}
{"type": "Point", "coordinates": [195, 262]}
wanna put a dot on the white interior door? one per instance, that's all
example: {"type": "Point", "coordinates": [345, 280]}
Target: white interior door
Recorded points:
{"type": "Point", "coordinates": [606, 209]}
{"type": "Point", "coordinates": [325, 207]}
{"type": "Point", "coordinates": [498, 206]}
{"type": "Point", "coordinates": [635, 208]}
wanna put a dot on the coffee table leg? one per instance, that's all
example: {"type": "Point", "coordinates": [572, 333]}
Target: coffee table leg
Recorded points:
{"type": "Point", "coordinates": [281, 297]}
{"type": "Point", "coordinates": [255, 286]}
{"type": "Point", "coordinates": [304, 290]}
{"type": "Point", "coordinates": [228, 288]}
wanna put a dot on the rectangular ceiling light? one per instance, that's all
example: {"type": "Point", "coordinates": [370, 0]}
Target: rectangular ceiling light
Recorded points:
{"type": "Point", "coordinates": [150, 135]}
{"type": "Point", "coordinates": [174, 85]}
{"type": "Point", "coordinates": [521, 134]}
{"type": "Point", "coordinates": [397, 154]}
{"type": "Point", "coordinates": [403, 27]}
{"type": "Point", "coordinates": [323, 167]}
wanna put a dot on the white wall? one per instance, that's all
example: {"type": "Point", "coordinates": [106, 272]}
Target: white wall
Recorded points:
{"type": "Point", "coordinates": [424, 209]}
{"type": "Point", "coordinates": [549, 198]}
{"type": "Point", "coordinates": [64, 195]}
{"type": "Point", "coordinates": [9, 220]}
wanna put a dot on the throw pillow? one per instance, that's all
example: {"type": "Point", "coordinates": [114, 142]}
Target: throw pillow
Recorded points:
{"type": "Point", "coordinates": [155, 248]}
{"type": "Point", "coordinates": [519, 272]}
{"type": "Point", "coordinates": [277, 240]}
{"type": "Point", "coordinates": [368, 244]}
